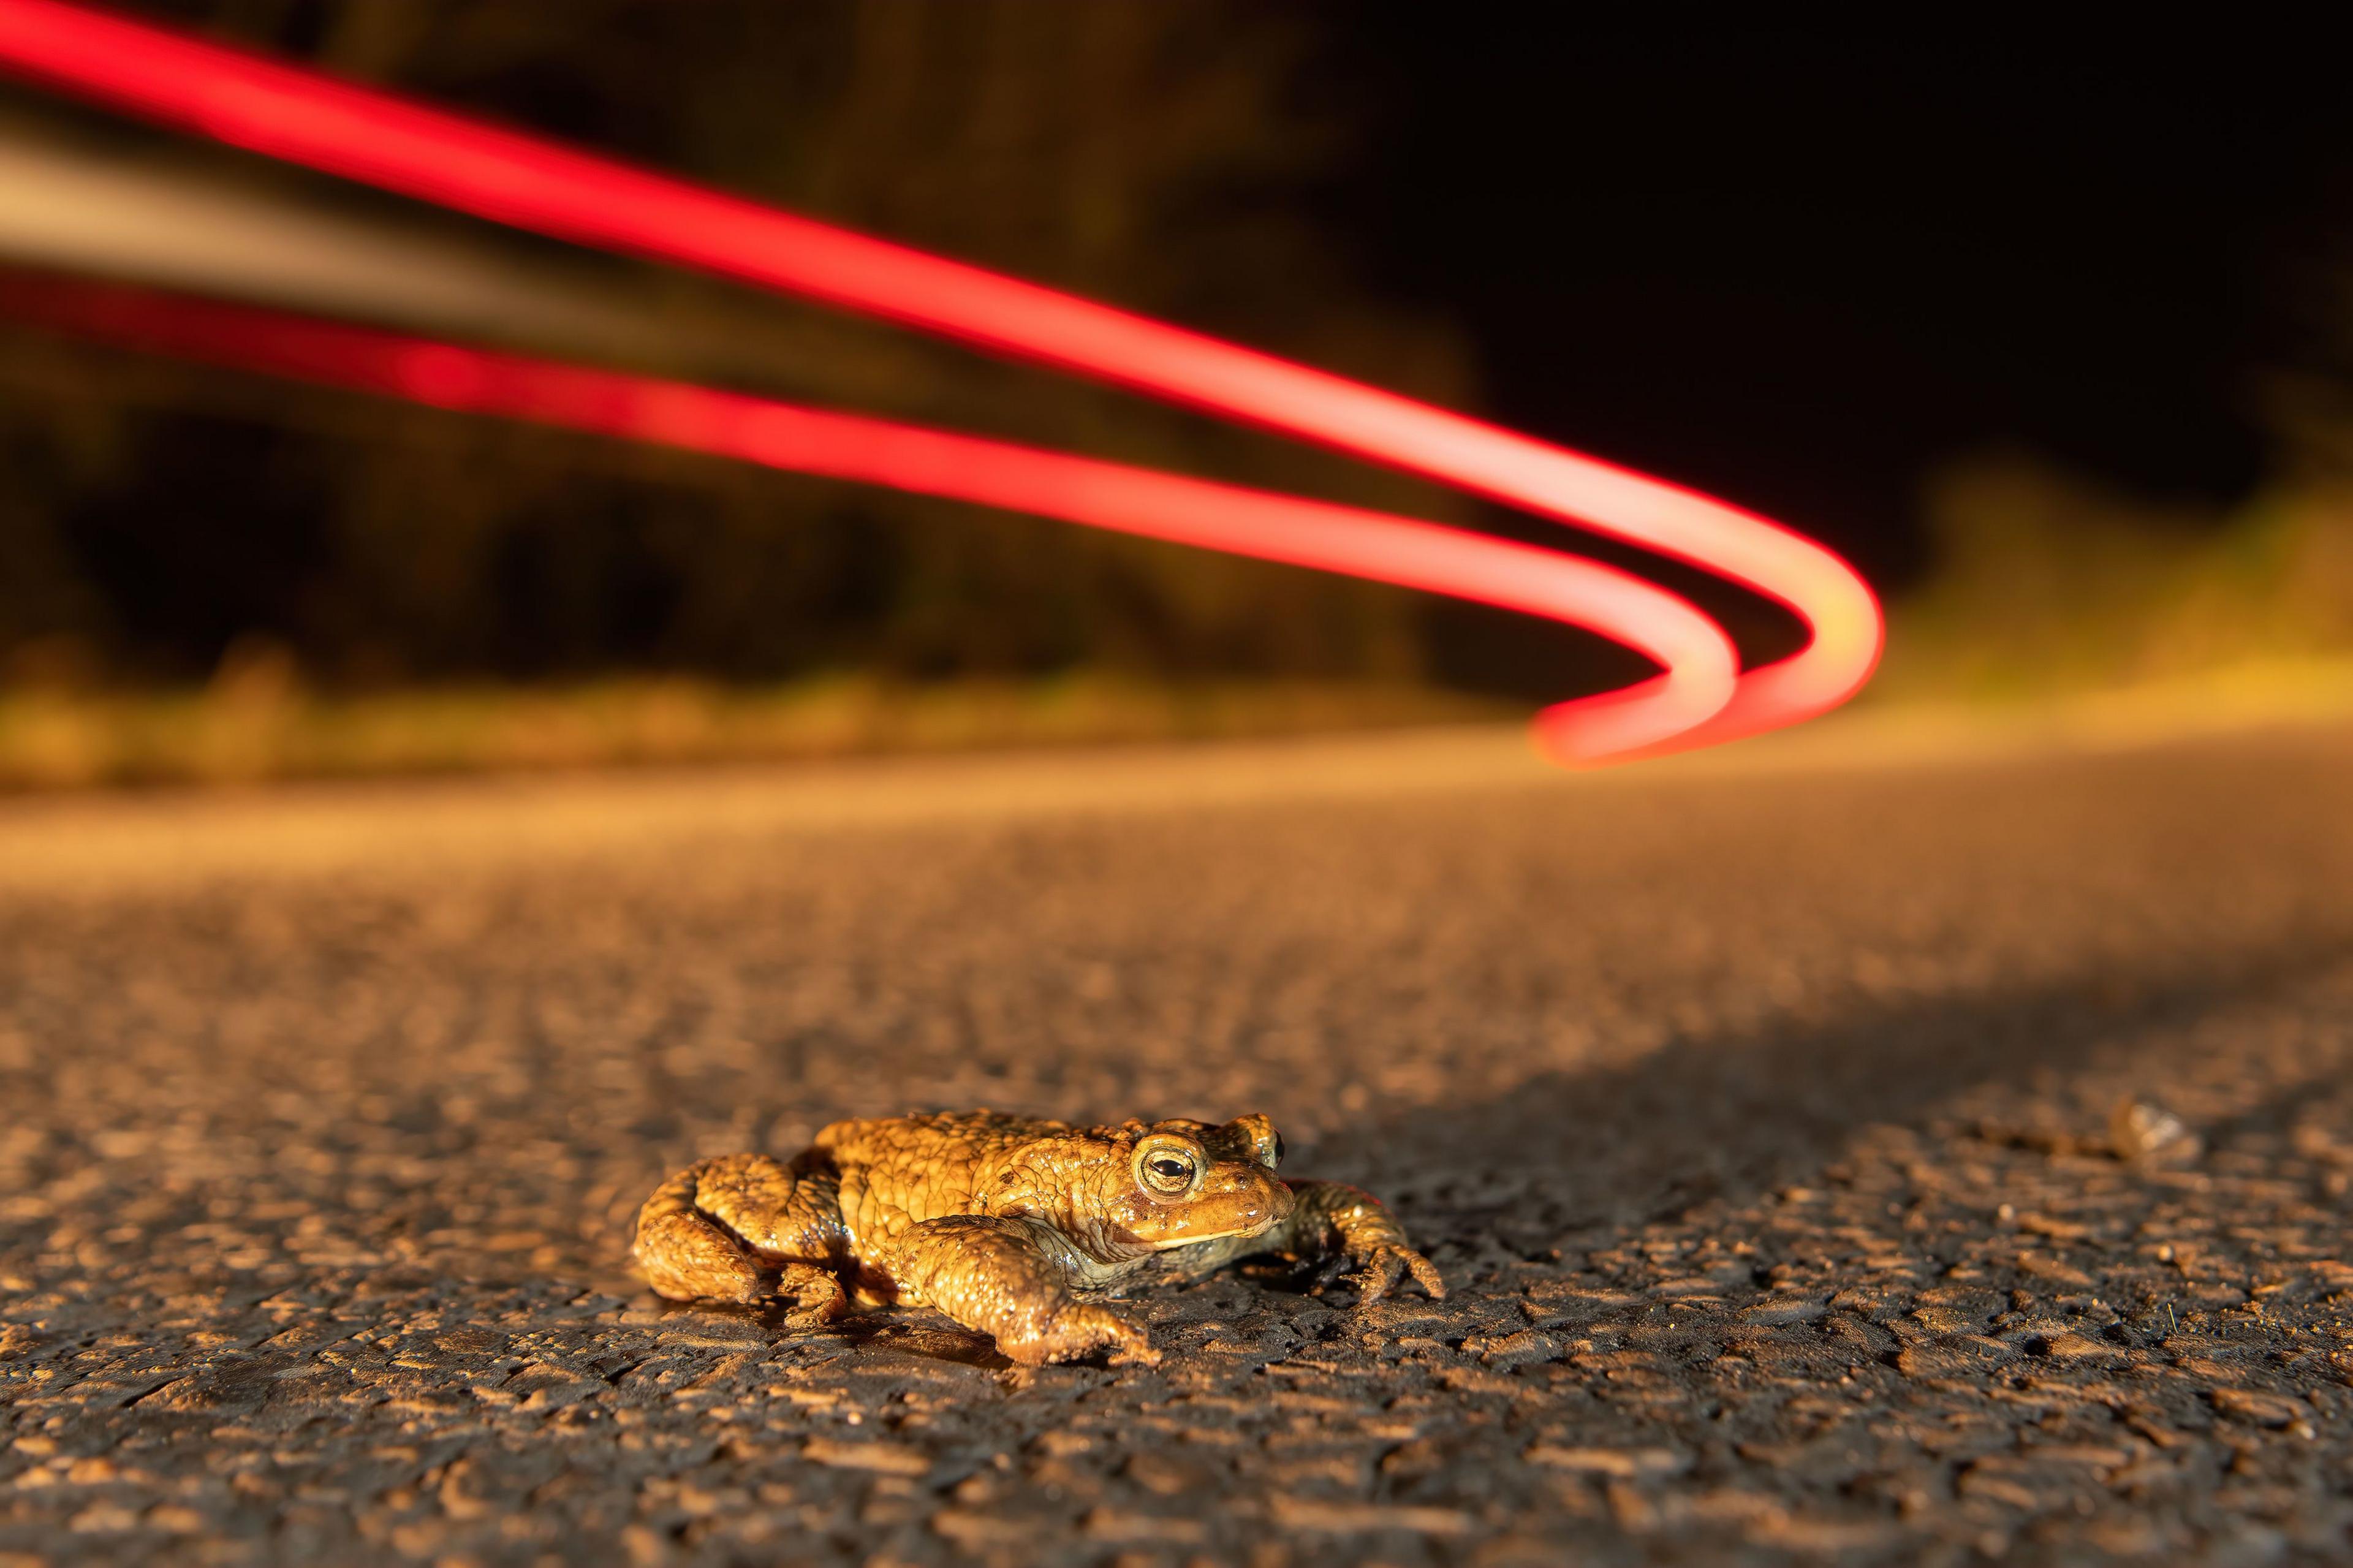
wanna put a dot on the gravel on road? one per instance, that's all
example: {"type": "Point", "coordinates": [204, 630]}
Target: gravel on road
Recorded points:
{"type": "Point", "coordinates": [1767, 1126]}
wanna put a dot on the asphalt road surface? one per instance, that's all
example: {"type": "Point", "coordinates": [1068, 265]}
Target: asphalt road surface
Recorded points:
{"type": "Point", "coordinates": [1759, 1116]}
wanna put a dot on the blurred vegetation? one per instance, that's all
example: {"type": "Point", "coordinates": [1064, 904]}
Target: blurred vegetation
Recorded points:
{"type": "Point", "coordinates": [255, 721]}
{"type": "Point", "coordinates": [2045, 582]}
{"type": "Point", "coordinates": [158, 517]}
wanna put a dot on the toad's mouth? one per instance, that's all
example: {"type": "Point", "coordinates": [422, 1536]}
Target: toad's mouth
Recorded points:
{"type": "Point", "coordinates": [1171, 1243]}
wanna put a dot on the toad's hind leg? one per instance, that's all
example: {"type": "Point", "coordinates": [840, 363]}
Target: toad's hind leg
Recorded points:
{"type": "Point", "coordinates": [746, 1227]}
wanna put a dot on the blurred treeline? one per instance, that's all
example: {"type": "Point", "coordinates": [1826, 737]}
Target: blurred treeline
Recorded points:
{"type": "Point", "coordinates": [159, 520]}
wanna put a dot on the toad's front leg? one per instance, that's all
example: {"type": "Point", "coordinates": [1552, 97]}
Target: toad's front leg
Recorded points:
{"type": "Point", "coordinates": [1333, 1219]}
{"type": "Point", "coordinates": [1328, 1221]}
{"type": "Point", "coordinates": [1001, 1277]}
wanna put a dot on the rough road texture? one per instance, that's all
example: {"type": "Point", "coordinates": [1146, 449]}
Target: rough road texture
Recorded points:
{"type": "Point", "coordinates": [1760, 1124]}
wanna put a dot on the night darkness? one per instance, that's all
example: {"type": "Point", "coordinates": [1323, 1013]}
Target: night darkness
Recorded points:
{"type": "Point", "coordinates": [1800, 271]}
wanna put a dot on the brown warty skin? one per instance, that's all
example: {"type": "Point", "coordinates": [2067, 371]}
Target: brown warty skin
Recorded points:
{"type": "Point", "coordinates": [1006, 1224]}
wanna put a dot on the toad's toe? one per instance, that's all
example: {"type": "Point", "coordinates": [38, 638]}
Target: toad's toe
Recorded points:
{"type": "Point", "coordinates": [1380, 1276]}
{"type": "Point", "coordinates": [811, 1295]}
{"type": "Point", "coordinates": [1381, 1271]}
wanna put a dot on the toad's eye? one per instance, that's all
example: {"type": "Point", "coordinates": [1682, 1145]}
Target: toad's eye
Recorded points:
{"type": "Point", "coordinates": [1278, 1149]}
{"type": "Point", "coordinates": [1169, 1167]}
{"type": "Point", "coordinates": [1169, 1172]}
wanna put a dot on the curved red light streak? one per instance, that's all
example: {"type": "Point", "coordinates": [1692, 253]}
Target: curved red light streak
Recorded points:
{"type": "Point", "coordinates": [1698, 659]}
{"type": "Point", "coordinates": [363, 135]}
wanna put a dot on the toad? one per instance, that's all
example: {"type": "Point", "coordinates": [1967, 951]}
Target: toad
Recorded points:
{"type": "Point", "coordinates": [1016, 1229]}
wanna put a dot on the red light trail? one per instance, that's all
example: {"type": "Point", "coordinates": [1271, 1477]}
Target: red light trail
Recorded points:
{"type": "Point", "coordinates": [933, 462]}
{"type": "Point", "coordinates": [360, 134]}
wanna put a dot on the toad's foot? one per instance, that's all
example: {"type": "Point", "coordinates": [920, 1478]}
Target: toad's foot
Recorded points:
{"type": "Point", "coordinates": [1338, 1221]}
{"type": "Point", "coordinates": [809, 1295]}
{"type": "Point", "coordinates": [1379, 1270]}
{"type": "Point", "coordinates": [1077, 1330]}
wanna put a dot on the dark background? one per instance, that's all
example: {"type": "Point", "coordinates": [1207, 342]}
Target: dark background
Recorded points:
{"type": "Point", "coordinates": [1805, 272]}
{"type": "Point", "coordinates": [1802, 270]}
